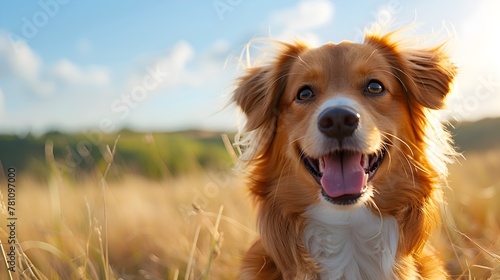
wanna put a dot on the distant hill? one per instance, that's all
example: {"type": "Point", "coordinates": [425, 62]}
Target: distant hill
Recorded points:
{"type": "Point", "coordinates": [154, 155]}
{"type": "Point", "coordinates": [161, 154]}
{"type": "Point", "coordinates": [475, 136]}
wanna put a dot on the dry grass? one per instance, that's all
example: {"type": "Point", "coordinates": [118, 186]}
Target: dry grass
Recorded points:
{"type": "Point", "coordinates": [151, 228]}
{"type": "Point", "coordinates": [197, 227]}
{"type": "Point", "coordinates": [472, 217]}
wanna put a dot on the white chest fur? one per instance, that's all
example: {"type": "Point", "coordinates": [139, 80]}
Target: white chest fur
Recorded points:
{"type": "Point", "coordinates": [352, 243]}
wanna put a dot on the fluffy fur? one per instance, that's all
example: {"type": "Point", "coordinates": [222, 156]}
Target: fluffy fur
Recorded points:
{"type": "Point", "coordinates": [382, 234]}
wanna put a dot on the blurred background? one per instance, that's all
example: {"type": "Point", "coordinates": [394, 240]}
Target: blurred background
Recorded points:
{"type": "Point", "coordinates": [114, 117]}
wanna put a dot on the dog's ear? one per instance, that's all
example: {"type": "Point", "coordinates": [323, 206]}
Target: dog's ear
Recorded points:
{"type": "Point", "coordinates": [256, 96]}
{"type": "Point", "coordinates": [426, 75]}
{"type": "Point", "coordinates": [431, 74]}
{"type": "Point", "coordinates": [259, 91]}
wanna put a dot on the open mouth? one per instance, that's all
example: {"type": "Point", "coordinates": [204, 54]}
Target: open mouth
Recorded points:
{"type": "Point", "coordinates": [344, 174]}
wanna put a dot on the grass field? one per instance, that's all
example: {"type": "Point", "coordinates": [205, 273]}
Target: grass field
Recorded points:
{"type": "Point", "coordinates": [198, 226]}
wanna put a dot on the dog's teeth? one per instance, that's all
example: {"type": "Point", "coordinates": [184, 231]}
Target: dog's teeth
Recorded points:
{"type": "Point", "coordinates": [366, 162]}
{"type": "Point", "coordinates": [321, 164]}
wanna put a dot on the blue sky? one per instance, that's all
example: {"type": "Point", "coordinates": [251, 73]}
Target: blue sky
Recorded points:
{"type": "Point", "coordinates": [168, 65]}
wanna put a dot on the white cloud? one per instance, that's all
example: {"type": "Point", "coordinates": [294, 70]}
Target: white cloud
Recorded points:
{"type": "Point", "coordinates": [211, 65]}
{"type": "Point", "coordinates": [182, 70]}
{"type": "Point", "coordinates": [65, 88]}
{"type": "Point", "coordinates": [190, 78]}
{"type": "Point", "coordinates": [70, 73]}
{"type": "Point", "coordinates": [178, 56]}
{"type": "Point", "coordinates": [24, 71]}
{"type": "Point", "coordinates": [21, 65]}
{"type": "Point", "coordinates": [173, 68]}
{"type": "Point", "coordinates": [175, 63]}
{"type": "Point", "coordinates": [301, 19]}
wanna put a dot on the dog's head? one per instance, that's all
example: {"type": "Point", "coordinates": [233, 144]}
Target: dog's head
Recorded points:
{"type": "Point", "coordinates": [346, 123]}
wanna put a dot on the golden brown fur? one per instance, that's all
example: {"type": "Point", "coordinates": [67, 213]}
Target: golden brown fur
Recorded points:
{"type": "Point", "coordinates": [405, 186]}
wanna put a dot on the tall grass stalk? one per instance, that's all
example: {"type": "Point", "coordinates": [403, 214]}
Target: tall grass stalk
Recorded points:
{"type": "Point", "coordinates": [215, 245]}
{"type": "Point", "coordinates": [191, 254]}
{"type": "Point", "coordinates": [111, 154]}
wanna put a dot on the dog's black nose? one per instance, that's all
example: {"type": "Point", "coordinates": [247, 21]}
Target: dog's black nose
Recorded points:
{"type": "Point", "coordinates": [338, 122]}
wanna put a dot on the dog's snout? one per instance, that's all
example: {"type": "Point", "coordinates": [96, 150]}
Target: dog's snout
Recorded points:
{"type": "Point", "coordinates": [338, 122]}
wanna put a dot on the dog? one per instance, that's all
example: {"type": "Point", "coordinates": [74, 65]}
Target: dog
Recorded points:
{"type": "Point", "coordinates": [344, 154]}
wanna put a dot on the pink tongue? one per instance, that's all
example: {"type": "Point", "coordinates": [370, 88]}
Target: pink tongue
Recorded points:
{"type": "Point", "coordinates": [343, 174]}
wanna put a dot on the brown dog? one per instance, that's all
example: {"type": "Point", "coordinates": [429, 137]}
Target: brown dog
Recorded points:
{"type": "Point", "coordinates": [345, 157]}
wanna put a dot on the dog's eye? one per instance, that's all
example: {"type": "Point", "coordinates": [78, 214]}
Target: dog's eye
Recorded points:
{"type": "Point", "coordinates": [374, 87]}
{"type": "Point", "coordinates": [305, 94]}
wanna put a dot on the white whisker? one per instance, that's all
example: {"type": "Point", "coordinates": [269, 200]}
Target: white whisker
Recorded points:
{"type": "Point", "coordinates": [408, 161]}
